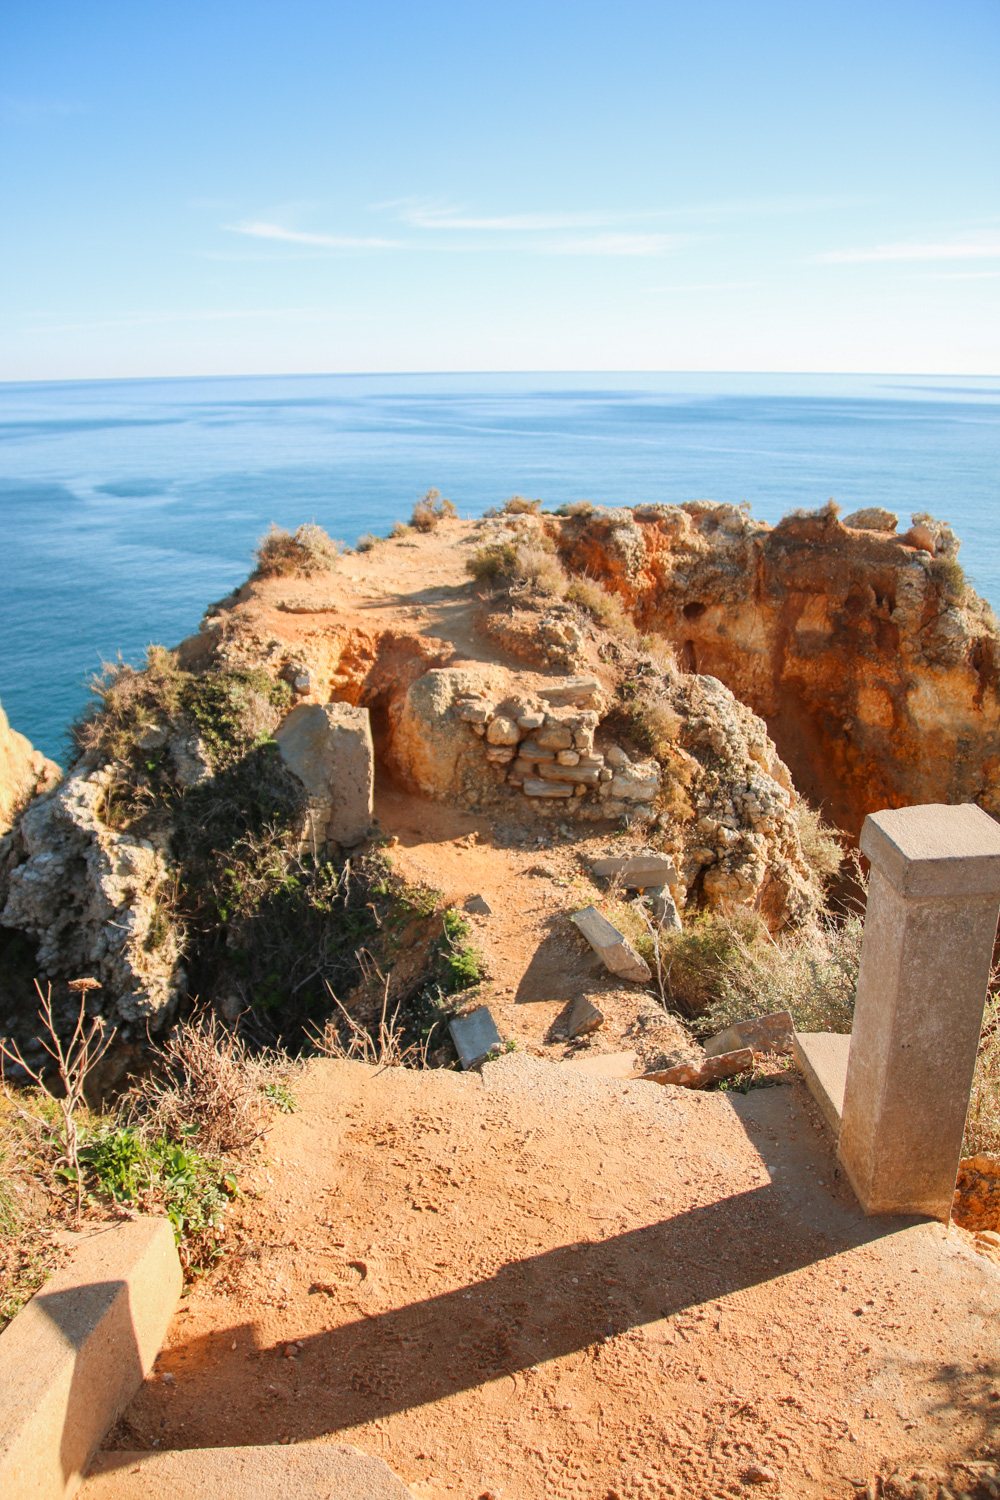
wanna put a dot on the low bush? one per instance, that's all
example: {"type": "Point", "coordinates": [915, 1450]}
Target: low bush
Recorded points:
{"type": "Point", "coordinates": [506, 563]}
{"type": "Point", "coordinates": [982, 1123]}
{"type": "Point", "coordinates": [430, 510]}
{"type": "Point", "coordinates": [206, 1085]}
{"type": "Point", "coordinates": [399, 529]}
{"type": "Point", "coordinates": [517, 505]}
{"type": "Point", "coordinates": [461, 963]}
{"type": "Point", "coordinates": [603, 607]}
{"type": "Point", "coordinates": [822, 845]}
{"type": "Point", "coordinates": [366, 541]}
{"type": "Point", "coordinates": [308, 549]}
{"type": "Point", "coordinates": [160, 1175]}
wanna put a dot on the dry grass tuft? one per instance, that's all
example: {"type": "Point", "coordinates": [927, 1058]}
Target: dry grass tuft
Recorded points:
{"type": "Point", "coordinates": [605, 608]}
{"type": "Point", "coordinates": [822, 845]}
{"type": "Point", "coordinates": [208, 1086]}
{"type": "Point", "coordinates": [982, 1123]}
{"type": "Point", "coordinates": [430, 510]}
{"type": "Point", "coordinates": [366, 542]}
{"type": "Point", "coordinates": [343, 1038]}
{"type": "Point", "coordinates": [503, 564]}
{"type": "Point", "coordinates": [308, 549]}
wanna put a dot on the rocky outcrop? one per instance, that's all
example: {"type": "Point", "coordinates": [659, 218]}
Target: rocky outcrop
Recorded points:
{"type": "Point", "coordinates": [873, 664]}
{"type": "Point", "coordinates": [24, 772]}
{"type": "Point", "coordinates": [95, 902]}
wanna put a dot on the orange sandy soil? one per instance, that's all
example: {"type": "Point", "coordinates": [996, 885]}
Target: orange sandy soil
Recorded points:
{"type": "Point", "coordinates": [539, 1284]}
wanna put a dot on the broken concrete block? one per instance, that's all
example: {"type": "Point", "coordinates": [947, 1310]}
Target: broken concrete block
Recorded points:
{"type": "Point", "coordinates": [638, 871]}
{"type": "Point", "coordinates": [611, 946]}
{"type": "Point", "coordinates": [604, 1064]}
{"type": "Point", "coordinates": [763, 1033]}
{"type": "Point", "coordinates": [74, 1357]}
{"type": "Point", "coordinates": [533, 788]}
{"type": "Point", "coordinates": [584, 1017]}
{"type": "Point", "coordinates": [696, 1075]}
{"type": "Point", "coordinates": [478, 906]}
{"type": "Point", "coordinates": [475, 1036]}
{"type": "Point", "coordinates": [328, 746]}
{"type": "Point", "coordinates": [314, 1470]}
{"type": "Point", "coordinates": [663, 908]}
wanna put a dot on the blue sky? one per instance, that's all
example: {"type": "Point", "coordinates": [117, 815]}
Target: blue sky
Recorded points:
{"type": "Point", "coordinates": [259, 187]}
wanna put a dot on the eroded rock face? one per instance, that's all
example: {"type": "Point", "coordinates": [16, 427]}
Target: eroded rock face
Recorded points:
{"type": "Point", "coordinates": [95, 902]}
{"type": "Point", "coordinates": [873, 665]}
{"type": "Point", "coordinates": [24, 772]}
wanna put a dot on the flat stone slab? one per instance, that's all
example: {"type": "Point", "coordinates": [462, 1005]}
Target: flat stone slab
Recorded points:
{"type": "Point", "coordinates": [611, 946]}
{"type": "Point", "coordinates": [534, 787]}
{"type": "Point", "coordinates": [578, 691]}
{"type": "Point", "coordinates": [773, 1033]}
{"type": "Point", "coordinates": [74, 1357]}
{"type": "Point", "coordinates": [821, 1057]}
{"type": "Point", "coordinates": [584, 1017]}
{"type": "Point", "coordinates": [604, 1064]}
{"type": "Point", "coordinates": [329, 747]}
{"type": "Point", "coordinates": [475, 1035]}
{"type": "Point", "coordinates": [638, 872]}
{"type": "Point", "coordinates": [307, 1471]}
{"type": "Point", "coordinates": [698, 1075]}
{"type": "Point", "coordinates": [477, 906]}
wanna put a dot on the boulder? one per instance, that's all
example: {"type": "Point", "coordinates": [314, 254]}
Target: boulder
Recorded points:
{"type": "Point", "coordinates": [328, 746]}
{"type": "Point", "coordinates": [431, 748]}
{"type": "Point", "coordinates": [872, 518]}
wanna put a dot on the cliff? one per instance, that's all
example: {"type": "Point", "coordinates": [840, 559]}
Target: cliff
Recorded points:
{"type": "Point", "coordinates": [871, 660]}
{"type": "Point", "coordinates": [24, 772]}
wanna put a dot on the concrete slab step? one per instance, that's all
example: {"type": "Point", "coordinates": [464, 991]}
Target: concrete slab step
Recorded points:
{"type": "Point", "coordinates": [306, 1471]}
{"type": "Point", "coordinates": [822, 1060]}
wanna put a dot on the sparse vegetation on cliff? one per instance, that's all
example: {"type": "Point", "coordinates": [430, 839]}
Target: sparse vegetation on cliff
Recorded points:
{"type": "Point", "coordinates": [308, 549]}
{"type": "Point", "coordinates": [429, 511]}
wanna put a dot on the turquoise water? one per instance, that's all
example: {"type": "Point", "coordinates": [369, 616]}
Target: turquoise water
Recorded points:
{"type": "Point", "coordinates": [127, 506]}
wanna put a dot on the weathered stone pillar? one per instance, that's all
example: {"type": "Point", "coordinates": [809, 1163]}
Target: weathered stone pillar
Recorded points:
{"type": "Point", "coordinates": [329, 748]}
{"type": "Point", "coordinates": [932, 911]}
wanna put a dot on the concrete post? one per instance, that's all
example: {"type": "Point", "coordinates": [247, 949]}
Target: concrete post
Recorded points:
{"type": "Point", "coordinates": [933, 901]}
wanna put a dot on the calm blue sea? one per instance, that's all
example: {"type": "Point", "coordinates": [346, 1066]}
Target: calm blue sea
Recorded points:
{"type": "Point", "coordinates": [127, 506]}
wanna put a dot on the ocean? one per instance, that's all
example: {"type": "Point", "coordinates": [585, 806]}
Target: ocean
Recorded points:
{"type": "Point", "coordinates": [128, 506]}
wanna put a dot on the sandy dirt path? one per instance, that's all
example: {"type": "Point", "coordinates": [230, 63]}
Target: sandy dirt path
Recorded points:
{"type": "Point", "coordinates": [536, 1284]}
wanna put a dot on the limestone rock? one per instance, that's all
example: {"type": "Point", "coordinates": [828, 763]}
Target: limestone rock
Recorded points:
{"type": "Point", "coordinates": [91, 899]}
{"type": "Point", "coordinates": [763, 1034]}
{"type": "Point", "coordinates": [430, 748]}
{"type": "Point", "coordinates": [328, 746]}
{"type": "Point", "coordinates": [24, 772]}
{"type": "Point", "coordinates": [873, 667]}
{"type": "Point", "coordinates": [872, 518]}
{"type": "Point", "coordinates": [697, 1075]}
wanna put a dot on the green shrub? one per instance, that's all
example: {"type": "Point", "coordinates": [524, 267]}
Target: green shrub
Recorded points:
{"type": "Point", "coordinates": [192, 1190]}
{"type": "Point", "coordinates": [366, 542]}
{"type": "Point", "coordinates": [399, 529]}
{"type": "Point", "coordinates": [460, 962]}
{"type": "Point", "coordinates": [308, 549]}
{"type": "Point", "coordinates": [493, 564]}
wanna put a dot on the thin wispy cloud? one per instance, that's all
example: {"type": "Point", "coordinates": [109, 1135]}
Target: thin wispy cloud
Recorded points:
{"type": "Point", "coordinates": [986, 247]}
{"type": "Point", "coordinates": [425, 216]}
{"type": "Point", "coordinates": [611, 244]}
{"type": "Point", "coordinates": [958, 275]}
{"type": "Point", "coordinates": [260, 230]}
